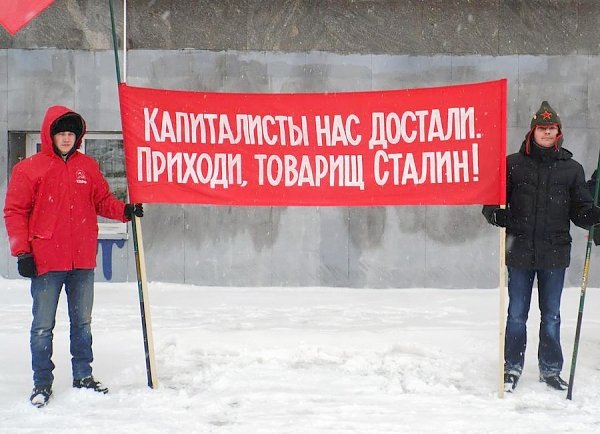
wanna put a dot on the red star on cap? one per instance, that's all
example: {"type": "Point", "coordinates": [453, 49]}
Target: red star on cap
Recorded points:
{"type": "Point", "coordinates": [547, 115]}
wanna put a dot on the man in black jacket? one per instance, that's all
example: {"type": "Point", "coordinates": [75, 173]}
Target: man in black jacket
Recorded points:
{"type": "Point", "coordinates": [546, 190]}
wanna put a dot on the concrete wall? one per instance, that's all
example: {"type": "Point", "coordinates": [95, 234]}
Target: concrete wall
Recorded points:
{"type": "Point", "coordinates": [547, 50]}
{"type": "Point", "coordinates": [425, 27]}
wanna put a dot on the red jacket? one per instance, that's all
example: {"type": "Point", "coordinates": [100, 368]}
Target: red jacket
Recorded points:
{"type": "Point", "coordinates": [51, 205]}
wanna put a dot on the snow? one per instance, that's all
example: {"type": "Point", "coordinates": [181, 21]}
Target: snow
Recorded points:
{"type": "Point", "coordinates": [298, 360]}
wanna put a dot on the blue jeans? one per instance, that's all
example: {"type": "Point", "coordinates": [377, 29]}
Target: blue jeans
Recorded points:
{"type": "Point", "coordinates": [550, 286]}
{"type": "Point", "coordinates": [45, 291]}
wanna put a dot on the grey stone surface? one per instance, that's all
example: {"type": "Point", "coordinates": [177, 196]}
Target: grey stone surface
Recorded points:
{"type": "Point", "coordinates": [167, 263]}
{"type": "Point", "coordinates": [404, 72]}
{"type": "Point", "coordinates": [272, 49]}
{"type": "Point", "coordinates": [184, 70]}
{"type": "Point", "coordinates": [560, 80]}
{"type": "Point", "coordinates": [450, 255]}
{"type": "Point", "coordinates": [333, 246]}
{"type": "Point", "coordinates": [585, 144]}
{"type": "Point", "coordinates": [295, 254]}
{"type": "Point", "coordinates": [228, 244]}
{"type": "Point", "coordinates": [3, 90]}
{"type": "Point", "coordinates": [289, 25]}
{"type": "Point", "coordinates": [460, 26]}
{"type": "Point", "coordinates": [538, 27]}
{"type": "Point", "coordinates": [70, 24]}
{"type": "Point", "coordinates": [246, 72]}
{"type": "Point", "coordinates": [215, 25]}
{"type": "Point", "coordinates": [37, 79]}
{"type": "Point", "coordinates": [588, 38]}
{"type": "Point", "coordinates": [96, 94]}
{"type": "Point", "coordinates": [387, 247]}
{"type": "Point", "coordinates": [593, 100]}
{"type": "Point", "coordinates": [287, 74]}
{"type": "Point", "coordinates": [372, 27]}
{"type": "Point", "coordinates": [338, 73]}
{"type": "Point", "coordinates": [485, 27]}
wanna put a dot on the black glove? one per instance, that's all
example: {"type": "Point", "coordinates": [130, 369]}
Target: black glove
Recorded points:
{"type": "Point", "coordinates": [134, 210]}
{"type": "Point", "coordinates": [597, 236]}
{"type": "Point", "coordinates": [494, 215]}
{"type": "Point", "coordinates": [499, 217]}
{"type": "Point", "coordinates": [596, 215]}
{"type": "Point", "coordinates": [26, 265]}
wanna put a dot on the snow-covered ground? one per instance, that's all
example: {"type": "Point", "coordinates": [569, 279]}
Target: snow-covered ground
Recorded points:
{"type": "Point", "coordinates": [298, 360]}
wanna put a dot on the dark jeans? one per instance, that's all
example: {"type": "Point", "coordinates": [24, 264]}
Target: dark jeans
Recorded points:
{"type": "Point", "coordinates": [550, 286]}
{"type": "Point", "coordinates": [45, 290]}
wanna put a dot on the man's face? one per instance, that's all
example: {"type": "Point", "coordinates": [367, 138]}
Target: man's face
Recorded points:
{"type": "Point", "coordinates": [545, 136]}
{"type": "Point", "coordinates": [64, 141]}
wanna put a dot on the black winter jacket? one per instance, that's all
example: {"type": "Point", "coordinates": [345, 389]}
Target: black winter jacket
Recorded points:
{"type": "Point", "coordinates": [592, 187]}
{"type": "Point", "coordinates": [545, 192]}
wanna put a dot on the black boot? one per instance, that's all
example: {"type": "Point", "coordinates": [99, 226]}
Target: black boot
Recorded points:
{"type": "Point", "coordinates": [510, 382]}
{"type": "Point", "coordinates": [40, 395]}
{"type": "Point", "coordinates": [555, 382]}
{"type": "Point", "coordinates": [90, 383]}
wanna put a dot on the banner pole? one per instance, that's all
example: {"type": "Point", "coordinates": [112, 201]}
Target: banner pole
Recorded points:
{"type": "Point", "coordinates": [140, 265]}
{"type": "Point", "coordinates": [140, 262]}
{"type": "Point", "coordinates": [125, 40]}
{"type": "Point", "coordinates": [501, 309]}
{"type": "Point", "coordinates": [114, 37]}
{"type": "Point", "coordinates": [584, 283]}
{"type": "Point", "coordinates": [502, 250]}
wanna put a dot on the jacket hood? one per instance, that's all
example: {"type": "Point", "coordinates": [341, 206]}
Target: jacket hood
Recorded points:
{"type": "Point", "coordinates": [52, 115]}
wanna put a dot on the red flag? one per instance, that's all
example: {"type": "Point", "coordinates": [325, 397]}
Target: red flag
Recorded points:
{"type": "Point", "coordinates": [429, 146]}
{"type": "Point", "coordinates": [15, 14]}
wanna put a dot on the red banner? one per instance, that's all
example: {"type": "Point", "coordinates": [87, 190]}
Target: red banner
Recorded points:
{"type": "Point", "coordinates": [15, 14]}
{"type": "Point", "coordinates": [430, 146]}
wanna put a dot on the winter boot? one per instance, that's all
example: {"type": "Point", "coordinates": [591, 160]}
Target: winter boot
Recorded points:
{"type": "Point", "coordinates": [40, 395]}
{"type": "Point", "coordinates": [90, 383]}
{"type": "Point", "coordinates": [555, 382]}
{"type": "Point", "coordinates": [510, 382]}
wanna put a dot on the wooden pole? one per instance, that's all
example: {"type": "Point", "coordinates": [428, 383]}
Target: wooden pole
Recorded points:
{"type": "Point", "coordinates": [501, 310]}
{"type": "Point", "coordinates": [140, 264]}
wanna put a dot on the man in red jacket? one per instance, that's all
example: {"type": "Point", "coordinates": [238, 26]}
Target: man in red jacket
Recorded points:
{"type": "Point", "coordinates": [51, 207]}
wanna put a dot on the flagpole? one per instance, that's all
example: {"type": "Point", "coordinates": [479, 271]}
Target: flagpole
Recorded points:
{"type": "Point", "coordinates": [115, 45]}
{"type": "Point", "coordinates": [138, 248]}
{"type": "Point", "coordinates": [125, 40]}
{"type": "Point", "coordinates": [140, 263]}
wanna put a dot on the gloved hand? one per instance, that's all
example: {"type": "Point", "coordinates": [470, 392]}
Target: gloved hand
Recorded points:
{"type": "Point", "coordinates": [495, 215]}
{"type": "Point", "coordinates": [26, 265]}
{"type": "Point", "coordinates": [597, 236]}
{"type": "Point", "coordinates": [132, 210]}
{"type": "Point", "coordinates": [499, 217]}
{"type": "Point", "coordinates": [596, 215]}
